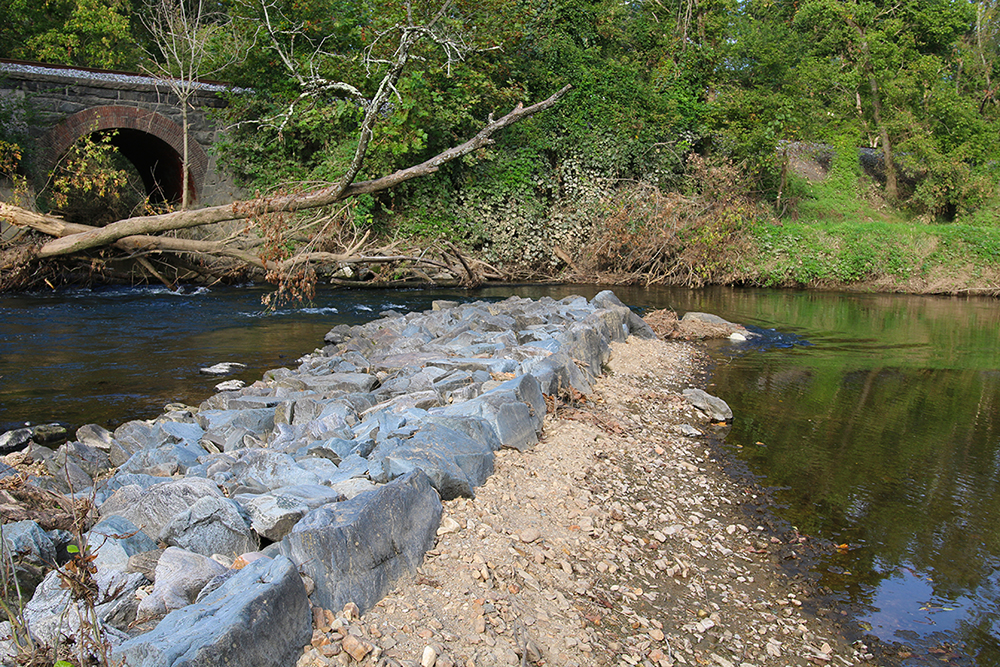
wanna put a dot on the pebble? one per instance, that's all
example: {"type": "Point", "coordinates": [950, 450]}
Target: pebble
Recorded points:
{"type": "Point", "coordinates": [529, 535]}
{"type": "Point", "coordinates": [356, 647]}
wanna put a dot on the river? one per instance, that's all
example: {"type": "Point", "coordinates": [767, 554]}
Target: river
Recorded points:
{"type": "Point", "coordinates": [877, 417]}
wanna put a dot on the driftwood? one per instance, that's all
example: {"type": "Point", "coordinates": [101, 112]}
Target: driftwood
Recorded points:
{"type": "Point", "coordinates": [138, 231]}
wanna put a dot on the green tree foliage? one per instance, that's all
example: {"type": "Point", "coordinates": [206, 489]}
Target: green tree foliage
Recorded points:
{"type": "Point", "coordinates": [89, 33]}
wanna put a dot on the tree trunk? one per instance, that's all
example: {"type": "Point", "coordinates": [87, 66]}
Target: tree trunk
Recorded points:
{"type": "Point", "coordinates": [185, 160]}
{"type": "Point", "coordinates": [891, 187]}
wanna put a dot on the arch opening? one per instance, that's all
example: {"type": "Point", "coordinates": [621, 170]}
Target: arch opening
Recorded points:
{"type": "Point", "coordinates": [160, 166]}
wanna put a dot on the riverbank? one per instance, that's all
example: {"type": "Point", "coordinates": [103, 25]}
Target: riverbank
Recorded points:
{"type": "Point", "coordinates": [617, 540]}
{"type": "Point", "coordinates": [631, 511]}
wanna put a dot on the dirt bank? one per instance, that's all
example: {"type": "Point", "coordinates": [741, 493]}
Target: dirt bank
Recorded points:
{"type": "Point", "coordinates": [617, 540]}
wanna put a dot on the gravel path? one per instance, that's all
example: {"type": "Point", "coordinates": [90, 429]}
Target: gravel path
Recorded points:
{"type": "Point", "coordinates": [616, 541]}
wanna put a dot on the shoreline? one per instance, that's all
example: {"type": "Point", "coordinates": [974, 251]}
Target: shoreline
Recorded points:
{"type": "Point", "coordinates": [617, 536]}
{"type": "Point", "coordinates": [574, 554]}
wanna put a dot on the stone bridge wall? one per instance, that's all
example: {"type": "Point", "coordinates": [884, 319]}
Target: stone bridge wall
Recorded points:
{"type": "Point", "coordinates": [64, 104]}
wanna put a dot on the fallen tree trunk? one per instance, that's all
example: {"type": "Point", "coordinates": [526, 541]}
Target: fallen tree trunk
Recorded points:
{"type": "Point", "coordinates": [55, 226]}
{"type": "Point", "coordinates": [144, 225]}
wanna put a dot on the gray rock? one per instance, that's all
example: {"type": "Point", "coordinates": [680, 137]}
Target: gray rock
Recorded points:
{"type": "Point", "coordinates": [273, 514]}
{"type": "Point", "coordinates": [515, 409]}
{"type": "Point", "coordinates": [92, 460]}
{"type": "Point", "coordinates": [270, 469]}
{"type": "Point", "coordinates": [706, 317]}
{"type": "Point", "coordinates": [355, 550]}
{"type": "Point", "coordinates": [49, 434]}
{"type": "Point", "coordinates": [16, 440]}
{"type": "Point", "coordinates": [636, 325]}
{"type": "Point", "coordinates": [26, 539]}
{"type": "Point", "coordinates": [52, 612]}
{"type": "Point", "coordinates": [151, 509]}
{"type": "Point", "coordinates": [163, 461]}
{"type": "Point", "coordinates": [95, 436]}
{"type": "Point", "coordinates": [260, 617]}
{"type": "Point", "coordinates": [212, 525]}
{"type": "Point", "coordinates": [716, 408]}
{"type": "Point", "coordinates": [222, 368]}
{"type": "Point", "coordinates": [180, 576]}
{"type": "Point", "coordinates": [349, 382]}
{"type": "Point", "coordinates": [557, 373]}
{"type": "Point", "coordinates": [454, 462]}
{"type": "Point", "coordinates": [114, 540]}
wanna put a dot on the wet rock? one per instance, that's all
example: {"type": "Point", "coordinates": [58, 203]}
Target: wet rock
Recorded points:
{"type": "Point", "coordinates": [260, 616]}
{"type": "Point", "coordinates": [13, 441]}
{"type": "Point", "coordinates": [355, 550]}
{"type": "Point", "coordinates": [48, 434]}
{"type": "Point", "coordinates": [222, 368]}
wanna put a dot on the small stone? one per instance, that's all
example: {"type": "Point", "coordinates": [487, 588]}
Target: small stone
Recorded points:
{"type": "Point", "coordinates": [448, 525]}
{"type": "Point", "coordinates": [480, 624]}
{"type": "Point", "coordinates": [529, 535]}
{"type": "Point", "coordinates": [356, 647]}
{"type": "Point", "coordinates": [656, 634]}
{"type": "Point", "coordinates": [429, 657]}
{"type": "Point", "coordinates": [351, 611]}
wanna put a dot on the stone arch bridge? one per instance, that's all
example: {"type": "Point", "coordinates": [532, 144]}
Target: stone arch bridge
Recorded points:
{"type": "Point", "coordinates": [63, 104]}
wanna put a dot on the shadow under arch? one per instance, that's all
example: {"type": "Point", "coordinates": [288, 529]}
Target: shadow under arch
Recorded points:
{"type": "Point", "coordinates": [153, 143]}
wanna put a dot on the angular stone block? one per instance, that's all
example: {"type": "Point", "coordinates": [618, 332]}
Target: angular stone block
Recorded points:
{"type": "Point", "coordinates": [355, 550]}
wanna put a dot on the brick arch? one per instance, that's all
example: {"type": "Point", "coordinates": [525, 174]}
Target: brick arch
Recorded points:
{"type": "Point", "coordinates": [141, 125]}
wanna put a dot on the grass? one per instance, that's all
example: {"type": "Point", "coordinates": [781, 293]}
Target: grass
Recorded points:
{"type": "Point", "coordinates": [844, 238]}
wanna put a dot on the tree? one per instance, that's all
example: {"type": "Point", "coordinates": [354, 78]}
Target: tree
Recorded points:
{"type": "Point", "coordinates": [388, 54]}
{"type": "Point", "coordinates": [191, 44]}
{"type": "Point", "coordinates": [88, 33]}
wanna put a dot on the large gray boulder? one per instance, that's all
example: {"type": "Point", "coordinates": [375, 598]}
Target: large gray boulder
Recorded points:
{"type": "Point", "coordinates": [179, 577]}
{"type": "Point", "coordinates": [355, 550]}
{"type": "Point", "coordinates": [151, 509]}
{"type": "Point", "coordinates": [515, 409]}
{"type": "Point", "coordinates": [270, 469]}
{"type": "Point", "coordinates": [273, 514]}
{"type": "Point", "coordinates": [454, 462]}
{"type": "Point", "coordinates": [260, 617]}
{"type": "Point", "coordinates": [212, 525]}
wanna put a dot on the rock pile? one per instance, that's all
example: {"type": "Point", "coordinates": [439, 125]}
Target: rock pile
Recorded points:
{"type": "Point", "coordinates": [321, 484]}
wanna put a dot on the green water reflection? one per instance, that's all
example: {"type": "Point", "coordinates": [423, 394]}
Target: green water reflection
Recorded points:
{"type": "Point", "coordinates": [884, 434]}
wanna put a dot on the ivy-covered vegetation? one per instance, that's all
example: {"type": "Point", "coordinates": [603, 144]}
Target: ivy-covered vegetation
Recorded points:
{"type": "Point", "coordinates": [763, 141]}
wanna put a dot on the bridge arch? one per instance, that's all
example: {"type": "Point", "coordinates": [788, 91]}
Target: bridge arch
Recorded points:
{"type": "Point", "coordinates": [153, 143]}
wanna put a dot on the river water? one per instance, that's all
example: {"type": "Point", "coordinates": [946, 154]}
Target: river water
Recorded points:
{"type": "Point", "coordinates": [877, 417]}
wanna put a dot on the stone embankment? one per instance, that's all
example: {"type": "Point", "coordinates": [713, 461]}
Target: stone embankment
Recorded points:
{"type": "Point", "coordinates": [222, 528]}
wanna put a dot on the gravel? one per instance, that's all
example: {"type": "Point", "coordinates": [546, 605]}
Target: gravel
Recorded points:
{"type": "Point", "coordinates": [617, 540]}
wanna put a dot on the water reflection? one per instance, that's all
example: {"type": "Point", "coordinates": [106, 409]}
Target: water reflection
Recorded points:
{"type": "Point", "coordinates": [885, 435]}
